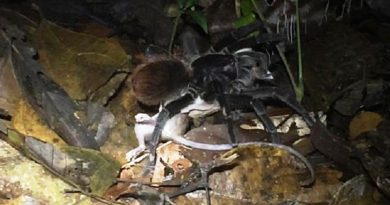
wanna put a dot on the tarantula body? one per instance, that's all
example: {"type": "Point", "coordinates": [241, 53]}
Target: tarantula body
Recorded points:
{"type": "Point", "coordinates": [238, 81]}
{"type": "Point", "coordinates": [226, 78]}
{"type": "Point", "coordinates": [231, 73]}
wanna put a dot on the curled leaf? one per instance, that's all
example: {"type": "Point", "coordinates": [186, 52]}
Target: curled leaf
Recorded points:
{"type": "Point", "coordinates": [200, 19]}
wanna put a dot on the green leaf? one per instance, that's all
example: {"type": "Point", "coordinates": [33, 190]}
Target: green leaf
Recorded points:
{"type": "Point", "coordinates": [14, 138]}
{"type": "Point", "coordinates": [185, 4]}
{"type": "Point", "coordinates": [245, 20]}
{"type": "Point", "coordinates": [181, 3]}
{"type": "Point", "coordinates": [200, 19]}
{"type": "Point", "coordinates": [246, 7]}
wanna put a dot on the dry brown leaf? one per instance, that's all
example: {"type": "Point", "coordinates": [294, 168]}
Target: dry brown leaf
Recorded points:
{"type": "Point", "coordinates": [27, 122]}
{"type": "Point", "coordinates": [326, 184]}
{"type": "Point", "coordinates": [10, 91]}
{"type": "Point", "coordinates": [359, 191]}
{"type": "Point", "coordinates": [266, 175]}
{"type": "Point", "coordinates": [304, 146]}
{"type": "Point", "coordinates": [78, 62]}
{"type": "Point", "coordinates": [364, 122]}
{"type": "Point", "coordinates": [263, 175]}
{"type": "Point", "coordinates": [170, 154]}
{"type": "Point", "coordinates": [122, 138]}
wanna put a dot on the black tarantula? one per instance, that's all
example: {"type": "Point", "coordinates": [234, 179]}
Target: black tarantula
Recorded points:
{"type": "Point", "coordinates": [238, 81]}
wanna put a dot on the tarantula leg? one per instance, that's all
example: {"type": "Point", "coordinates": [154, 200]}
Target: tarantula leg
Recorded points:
{"type": "Point", "coordinates": [162, 118]}
{"type": "Point", "coordinates": [167, 112]}
{"type": "Point", "coordinates": [288, 99]}
{"type": "Point", "coordinates": [257, 40]}
{"type": "Point", "coordinates": [269, 126]}
{"type": "Point", "coordinates": [294, 104]}
{"type": "Point", "coordinates": [224, 101]}
{"type": "Point", "coordinates": [237, 35]}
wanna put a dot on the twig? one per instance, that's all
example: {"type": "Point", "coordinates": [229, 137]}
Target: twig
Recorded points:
{"type": "Point", "coordinates": [299, 92]}
{"type": "Point", "coordinates": [174, 32]}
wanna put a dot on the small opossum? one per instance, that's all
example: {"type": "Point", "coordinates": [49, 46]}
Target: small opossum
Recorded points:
{"type": "Point", "coordinates": [174, 130]}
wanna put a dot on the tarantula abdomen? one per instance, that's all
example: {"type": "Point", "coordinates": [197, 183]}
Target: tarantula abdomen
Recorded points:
{"type": "Point", "coordinates": [159, 81]}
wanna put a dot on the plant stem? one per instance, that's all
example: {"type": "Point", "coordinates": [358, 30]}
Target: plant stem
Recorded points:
{"type": "Point", "coordinates": [174, 32]}
{"type": "Point", "coordinates": [298, 89]}
{"type": "Point", "coordinates": [259, 12]}
{"type": "Point", "coordinates": [300, 66]}
{"type": "Point", "coordinates": [288, 70]}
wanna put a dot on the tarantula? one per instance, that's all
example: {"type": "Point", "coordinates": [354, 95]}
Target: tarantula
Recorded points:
{"type": "Point", "coordinates": [239, 81]}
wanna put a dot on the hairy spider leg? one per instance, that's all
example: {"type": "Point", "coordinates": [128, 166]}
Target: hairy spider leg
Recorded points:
{"type": "Point", "coordinates": [237, 35]}
{"type": "Point", "coordinates": [294, 104]}
{"type": "Point", "coordinates": [162, 119]}
{"type": "Point", "coordinates": [202, 183]}
{"type": "Point", "coordinates": [224, 102]}
{"type": "Point", "coordinates": [261, 113]}
{"type": "Point", "coordinates": [285, 97]}
{"type": "Point", "coordinates": [247, 102]}
{"type": "Point", "coordinates": [167, 112]}
{"type": "Point", "coordinates": [240, 38]}
{"type": "Point", "coordinates": [249, 42]}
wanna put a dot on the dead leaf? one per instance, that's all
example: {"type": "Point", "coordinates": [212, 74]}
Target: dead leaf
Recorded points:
{"type": "Point", "coordinates": [24, 181]}
{"type": "Point", "coordinates": [86, 169]}
{"type": "Point", "coordinates": [168, 157]}
{"type": "Point", "coordinates": [10, 90]}
{"type": "Point", "coordinates": [263, 175]}
{"type": "Point", "coordinates": [169, 153]}
{"type": "Point", "coordinates": [78, 62]}
{"type": "Point", "coordinates": [122, 137]}
{"type": "Point", "coordinates": [304, 146]}
{"type": "Point", "coordinates": [364, 122]}
{"type": "Point", "coordinates": [26, 23]}
{"type": "Point", "coordinates": [327, 182]}
{"type": "Point", "coordinates": [358, 191]}
{"type": "Point", "coordinates": [27, 122]}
